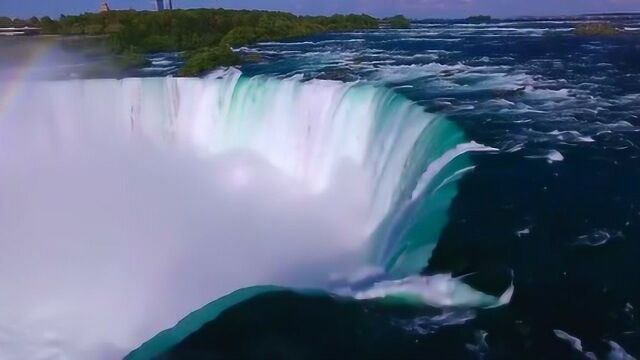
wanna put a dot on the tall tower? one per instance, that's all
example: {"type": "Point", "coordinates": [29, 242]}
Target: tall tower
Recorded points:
{"type": "Point", "coordinates": [159, 5]}
{"type": "Point", "coordinates": [104, 7]}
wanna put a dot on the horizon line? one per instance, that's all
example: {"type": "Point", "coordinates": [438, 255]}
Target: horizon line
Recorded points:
{"type": "Point", "coordinates": [463, 17]}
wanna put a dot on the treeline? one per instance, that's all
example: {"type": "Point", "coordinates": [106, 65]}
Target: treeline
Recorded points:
{"type": "Point", "coordinates": [206, 35]}
{"type": "Point", "coordinates": [7, 22]}
{"type": "Point", "coordinates": [397, 22]}
{"type": "Point", "coordinates": [598, 29]}
{"type": "Point", "coordinates": [178, 30]}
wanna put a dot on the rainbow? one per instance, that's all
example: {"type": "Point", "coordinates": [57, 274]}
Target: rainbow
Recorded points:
{"type": "Point", "coordinates": [13, 81]}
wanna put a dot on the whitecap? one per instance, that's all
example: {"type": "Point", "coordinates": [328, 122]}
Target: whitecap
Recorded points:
{"type": "Point", "coordinates": [571, 340]}
{"type": "Point", "coordinates": [273, 43]}
{"type": "Point", "coordinates": [437, 165]}
{"type": "Point", "coordinates": [546, 93]}
{"type": "Point", "coordinates": [523, 232]}
{"type": "Point", "coordinates": [159, 68]}
{"type": "Point", "coordinates": [571, 135]}
{"type": "Point", "coordinates": [457, 175]}
{"type": "Point", "coordinates": [597, 238]}
{"type": "Point", "coordinates": [441, 290]}
{"type": "Point", "coordinates": [586, 139]}
{"type": "Point", "coordinates": [162, 62]}
{"type": "Point", "coordinates": [552, 156]}
{"type": "Point", "coordinates": [425, 325]}
{"type": "Point", "coordinates": [515, 148]}
{"type": "Point", "coordinates": [618, 353]}
{"type": "Point", "coordinates": [409, 72]}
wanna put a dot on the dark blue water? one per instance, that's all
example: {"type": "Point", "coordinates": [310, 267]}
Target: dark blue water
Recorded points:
{"type": "Point", "coordinates": [559, 205]}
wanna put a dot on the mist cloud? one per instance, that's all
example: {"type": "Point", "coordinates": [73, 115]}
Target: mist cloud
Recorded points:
{"type": "Point", "coordinates": [105, 241]}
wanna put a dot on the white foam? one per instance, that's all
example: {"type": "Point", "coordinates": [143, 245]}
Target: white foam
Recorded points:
{"type": "Point", "coordinates": [597, 238]}
{"type": "Point", "coordinates": [515, 148]}
{"type": "Point", "coordinates": [437, 165]}
{"type": "Point", "coordinates": [424, 325]}
{"type": "Point", "coordinates": [547, 93]}
{"type": "Point", "coordinates": [552, 156]}
{"type": "Point", "coordinates": [523, 232]}
{"type": "Point", "coordinates": [409, 72]}
{"type": "Point", "coordinates": [571, 340]}
{"type": "Point", "coordinates": [571, 135]}
{"type": "Point", "coordinates": [135, 197]}
{"type": "Point", "coordinates": [440, 290]}
{"type": "Point", "coordinates": [618, 352]}
{"type": "Point", "coordinates": [293, 43]}
{"type": "Point", "coordinates": [455, 176]}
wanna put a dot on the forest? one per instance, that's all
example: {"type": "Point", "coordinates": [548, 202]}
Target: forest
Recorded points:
{"type": "Point", "coordinates": [206, 36]}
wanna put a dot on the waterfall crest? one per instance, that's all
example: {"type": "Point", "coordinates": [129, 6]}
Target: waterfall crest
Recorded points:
{"type": "Point", "coordinates": [401, 163]}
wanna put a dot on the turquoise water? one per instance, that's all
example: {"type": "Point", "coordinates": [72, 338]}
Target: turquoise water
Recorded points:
{"type": "Point", "coordinates": [413, 159]}
{"type": "Point", "coordinates": [254, 180]}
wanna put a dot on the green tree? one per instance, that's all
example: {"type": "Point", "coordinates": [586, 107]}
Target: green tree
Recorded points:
{"type": "Point", "coordinates": [113, 28]}
{"type": "Point", "coordinates": [205, 35]}
{"type": "Point", "coordinates": [94, 29]}
{"type": "Point", "coordinates": [5, 22]}
{"type": "Point", "coordinates": [33, 21]}
{"type": "Point", "coordinates": [76, 29]}
{"type": "Point", "coordinates": [19, 23]}
{"type": "Point", "coordinates": [207, 59]}
{"type": "Point", "coordinates": [399, 22]}
{"type": "Point", "coordinates": [48, 26]}
{"type": "Point", "coordinates": [240, 36]}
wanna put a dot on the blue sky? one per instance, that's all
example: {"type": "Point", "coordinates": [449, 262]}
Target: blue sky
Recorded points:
{"type": "Point", "coordinates": [412, 8]}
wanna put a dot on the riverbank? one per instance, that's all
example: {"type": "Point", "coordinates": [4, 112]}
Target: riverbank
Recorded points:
{"type": "Point", "coordinates": [204, 35]}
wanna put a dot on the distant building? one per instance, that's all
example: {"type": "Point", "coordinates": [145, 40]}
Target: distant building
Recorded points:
{"type": "Point", "coordinates": [104, 7]}
{"type": "Point", "coordinates": [159, 5]}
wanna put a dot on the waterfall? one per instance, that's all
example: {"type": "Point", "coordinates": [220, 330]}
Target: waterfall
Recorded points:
{"type": "Point", "coordinates": [401, 163]}
{"type": "Point", "coordinates": [305, 129]}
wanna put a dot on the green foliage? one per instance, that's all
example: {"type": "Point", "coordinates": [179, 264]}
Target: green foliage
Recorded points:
{"type": "Point", "coordinates": [76, 29]}
{"type": "Point", "coordinates": [240, 36]}
{"type": "Point", "coordinates": [203, 60]}
{"type": "Point", "coordinates": [205, 34]}
{"type": "Point", "coordinates": [155, 43]}
{"type": "Point", "coordinates": [129, 60]}
{"type": "Point", "coordinates": [48, 26]}
{"type": "Point", "coordinates": [19, 23]}
{"type": "Point", "coordinates": [479, 19]}
{"type": "Point", "coordinates": [94, 29]}
{"type": "Point", "coordinates": [113, 28]}
{"type": "Point", "coordinates": [5, 22]}
{"type": "Point", "coordinates": [597, 29]}
{"type": "Point", "coordinates": [183, 30]}
{"type": "Point", "coordinates": [398, 22]}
